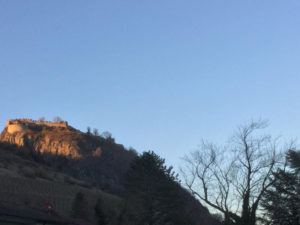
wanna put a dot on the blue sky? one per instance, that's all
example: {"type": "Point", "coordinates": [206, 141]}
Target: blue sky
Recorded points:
{"type": "Point", "coordinates": [158, 75]}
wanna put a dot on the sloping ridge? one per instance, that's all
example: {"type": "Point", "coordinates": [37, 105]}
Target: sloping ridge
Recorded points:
{"type": "Point", "coordinates": [82, 155]}
{"type": "Point", "coordinates": [48, 137]}
{"type": "Point", "coordinates": [57, 161]}
{"type": "Point", "coordinates": [28, 185]}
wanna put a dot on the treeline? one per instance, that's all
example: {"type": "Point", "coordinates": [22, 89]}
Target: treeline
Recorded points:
{"type": "Point", "coordinates": [244, 177]}
{"type": "Point", "coordinates": [150, 191]}
{"type": "Point", "coordinates": [152, 196]}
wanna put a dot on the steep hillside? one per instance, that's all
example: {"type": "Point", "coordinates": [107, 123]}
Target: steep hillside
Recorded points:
{"type": "Point", "coordinates": [48, 137]}
{"type": "Point", "coordinates": [60, 146]}
{"type": "Point", "coordinates": [52, 162]}
{"type": "Point", "coordinates": [26, 184]}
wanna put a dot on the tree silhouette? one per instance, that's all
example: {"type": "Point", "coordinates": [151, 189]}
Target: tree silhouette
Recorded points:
{"type": "Point", "coordinates": [102, 220]}
{"type": "Point", "coordinates": [88, 130]}
{"type": "Point", "coordinates": [282, 202]}
{"type": "Point", "coordinates": [80, 207]}
{"type": "Point", "coordinates": [96, 132]}
{"type": "Point", "coordinates": [152, 190]}
{"type": "Point", "coordinates": [233, 178]}
{"type": "Point", "coordinates": [57, 119]}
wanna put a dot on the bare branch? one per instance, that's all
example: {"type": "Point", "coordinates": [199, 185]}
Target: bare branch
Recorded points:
{"type": "Point", "coordinates": [233, 180]}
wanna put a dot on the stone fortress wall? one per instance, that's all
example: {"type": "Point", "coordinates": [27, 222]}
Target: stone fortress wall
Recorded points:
{"type": "Point", "coordinates": [24, 124]}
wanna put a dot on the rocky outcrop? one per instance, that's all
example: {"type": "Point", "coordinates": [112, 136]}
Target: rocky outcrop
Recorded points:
{"type": "Point", "coordinates": [47, 137]}
{"type": "Point", "coordinates": [88, 157]}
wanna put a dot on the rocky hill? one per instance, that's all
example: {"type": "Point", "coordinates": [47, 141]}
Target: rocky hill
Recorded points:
{"type": "Point", "coordinates": [54, 138]}
{"type": "Point", "coordinates": [57, 161]}
{"type": "Point", "coordinates": [83, 155]}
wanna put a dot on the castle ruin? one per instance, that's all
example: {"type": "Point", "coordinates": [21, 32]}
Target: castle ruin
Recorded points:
{"type": "Point", "coordinates": [18, 125]}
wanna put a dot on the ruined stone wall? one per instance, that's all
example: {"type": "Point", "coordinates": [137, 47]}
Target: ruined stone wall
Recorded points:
{"type": "Point", "coordinates": [23, 124]}
{"type": "Point", "coordinates": [50, 124]}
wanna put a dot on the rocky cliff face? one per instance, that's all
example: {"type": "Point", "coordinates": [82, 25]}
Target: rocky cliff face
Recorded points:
{"type": "Point", "coordinates": [46, 137]}
{"type": "Point", "coordinates": [87, 157]}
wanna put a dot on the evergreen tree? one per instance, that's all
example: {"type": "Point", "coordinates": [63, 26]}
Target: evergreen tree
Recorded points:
{"type": "Point", "coordinates": [153, 191]}
{"type": "Point", "coordinates": [294, 159]}
{"type": "Point", "coordinates": [80, 207]}
{"type": "Point", "coordinates": [282, 202]}
{"type": "Point", "coordinates": [88, 130]}
{"type": "Point", "coordinates": [102, 220]}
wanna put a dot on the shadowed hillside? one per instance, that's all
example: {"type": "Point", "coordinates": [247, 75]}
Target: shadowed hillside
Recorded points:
{"type": "Point", "coordinates": [61, 163]}
{"type": "Point", "coordinates": [27, 184]}
{"type": "Point", "coordinates": [85, 156]}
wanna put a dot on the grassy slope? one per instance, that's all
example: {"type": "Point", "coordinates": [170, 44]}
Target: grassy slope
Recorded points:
{"type": "Point", "coordinates": [24, 183]}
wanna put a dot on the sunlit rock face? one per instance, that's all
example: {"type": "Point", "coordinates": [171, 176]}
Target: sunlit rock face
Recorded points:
{"type": "Point", "coordinates": [54, 138]}
{"type": "Point", "coordinates": [13, 128]}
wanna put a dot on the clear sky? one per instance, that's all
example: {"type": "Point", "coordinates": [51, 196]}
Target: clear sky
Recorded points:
{"type": "Point", "coordinates": [158, 75]}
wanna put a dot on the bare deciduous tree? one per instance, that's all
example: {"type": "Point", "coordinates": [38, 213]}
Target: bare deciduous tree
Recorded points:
{"type": "Point", "coordinates": [57, 119]}
{"type": "Point", "coordinates": [233, 178]}
{"type": "Point", "coordinates": [106, 135]}
{"type": "Point", "coordinates": [96, 132]}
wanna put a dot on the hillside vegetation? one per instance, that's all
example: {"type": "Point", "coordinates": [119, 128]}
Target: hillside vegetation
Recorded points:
{"type": "Point", "coordinates": [25, 183]}
{"type": "Point", "coordinates": [89, 175]}
{"type": "Point", "coordinates": [85, 156]}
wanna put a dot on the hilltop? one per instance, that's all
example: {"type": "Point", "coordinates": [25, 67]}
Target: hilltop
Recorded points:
{"type": "Point", "coordinates": [55, 138]}
{"type": "Point", "coordinates": [83, 155]}
{"type": "Point", "coordinates": [58, 161]}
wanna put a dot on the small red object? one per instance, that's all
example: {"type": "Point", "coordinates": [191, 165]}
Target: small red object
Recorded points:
{"type": "Point", "coordinates": [47, 207]}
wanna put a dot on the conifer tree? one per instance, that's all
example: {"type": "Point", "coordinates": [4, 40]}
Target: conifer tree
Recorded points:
{"type": "Point", "coordinates": [102, 220]}
{"type": "Point", "coordinates": [80, 207]}
{"type": "Point", "coordinates": [282, 202]}
{"type": "Point", "coordinates": [153, 191]}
